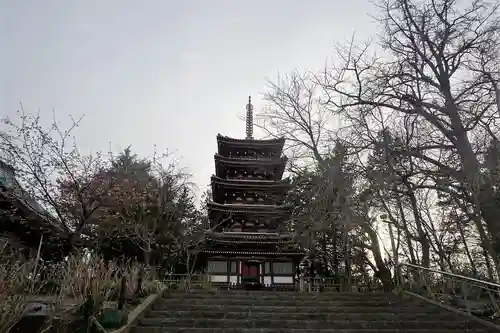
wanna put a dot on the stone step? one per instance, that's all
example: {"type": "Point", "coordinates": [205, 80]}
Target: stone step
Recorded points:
{"type": "Point", "coordinates": [258, 302]}
{"type": "Point", "coordinates": [268, 292]}
{"type": "Point", "coordinates": [325, 316]}
{"type": "Point", "coordinates": [306, 324]}
{"type": "Point", "coordinates": [291, 330]}
{"type": "Point", "coordinates": [277, 294]}
{"type": "Point", "coordinates": [291, 297]}
{"type": "Point", "coordinates": [404, 308]}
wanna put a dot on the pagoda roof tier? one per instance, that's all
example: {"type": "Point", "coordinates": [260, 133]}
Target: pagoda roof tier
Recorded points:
{"type": "Point", "coordinates": [242, 208]}
{"type": "Point", "coordinates": [249, 183]}
{"type": "Point", "coordinates": [271, 237]}
{"type": "Point", "coordinates": [276, 164]}
{"type": "Point", "coordinates": [225, 140]}
{"type": "Point", "coordinates": [254, 253]}
{"type": "Point", "coordinates": [259, 162]}
{"type": "Point", "coordinates": [221, 185]}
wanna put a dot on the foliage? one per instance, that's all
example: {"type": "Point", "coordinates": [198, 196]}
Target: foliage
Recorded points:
{"type": "Point", "coordinates": [111, 318]}
{"type": "Point", "coordinates": [148, 209]}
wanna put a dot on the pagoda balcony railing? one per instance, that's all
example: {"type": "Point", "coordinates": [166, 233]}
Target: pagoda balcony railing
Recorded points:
{"type": "Point", "coordinates": [465, 294]}
{"type": "Point", "coordinates": [256, 158]}
{"type": "Point", "coordinates": [301, 284]}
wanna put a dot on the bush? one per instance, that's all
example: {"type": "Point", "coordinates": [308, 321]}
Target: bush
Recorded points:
{"type": "Point", "coordinates": [112, 318]}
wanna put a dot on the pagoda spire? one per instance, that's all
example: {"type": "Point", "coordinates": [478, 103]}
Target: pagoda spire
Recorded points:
{"type": "Point", "coordinates": [249, 120]}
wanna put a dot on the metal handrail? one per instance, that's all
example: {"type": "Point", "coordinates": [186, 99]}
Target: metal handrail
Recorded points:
{"type": "Point", "coordinates": [491, 284]}
{"type": "Point", "coordinates": [477, 298]}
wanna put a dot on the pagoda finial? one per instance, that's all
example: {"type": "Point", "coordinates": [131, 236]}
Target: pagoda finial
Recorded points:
{"type": "Point", "coordinates": [249, 119]}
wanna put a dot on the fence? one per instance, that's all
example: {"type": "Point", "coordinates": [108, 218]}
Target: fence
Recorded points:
{"type": "Point", "coordinates": [302, 284]}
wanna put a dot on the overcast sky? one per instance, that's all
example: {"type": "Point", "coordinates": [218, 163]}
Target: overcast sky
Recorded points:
{"type": "Point", "coordinates": [170, 73]}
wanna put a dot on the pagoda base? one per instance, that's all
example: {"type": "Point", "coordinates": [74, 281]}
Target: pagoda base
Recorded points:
{"type": "Point", "coordinates": [257, 286]}
{"type": "Point", "coordinates": [252, 286]}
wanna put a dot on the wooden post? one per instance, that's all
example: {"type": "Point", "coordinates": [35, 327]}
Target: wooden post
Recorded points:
{"type": "Point", "coordinates": [37, 257]}
{"type": "Point", "coordinates": [122, 294]}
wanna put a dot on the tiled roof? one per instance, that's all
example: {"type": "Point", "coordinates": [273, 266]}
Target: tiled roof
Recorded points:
{"type": "Point", "coordinates": [251, 182]}
{"type": "Point", "coordinates": [243, 208]}
{"type": "Point", "coordinates": [276, 253]}
{"type": "Point", "coordinates": [249, 235]}
{"type": "Point", "coordinates": [250, 161]}
{"type": "Point", "coordinates": [253, 142]}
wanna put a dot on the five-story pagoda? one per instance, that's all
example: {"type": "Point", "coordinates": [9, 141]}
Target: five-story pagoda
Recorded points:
{"type": "Point", "coordinates": [247, 241]}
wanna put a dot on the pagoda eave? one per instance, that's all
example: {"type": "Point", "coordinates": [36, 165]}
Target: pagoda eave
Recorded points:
{"type": "Point", "coordinates": [248, 236]}
{"type": "Point", "coordinates": [221, 187]}
{"type": "Point", "coordinates": [254, 253]}
{"type": "Point", "coordinates": [251, 183]}
{"type": "Point", "coordinates": [257, 209]}
{"type": "Point", "coordinates": [277, 142]}
{"type": "Point", "coordinates": [250, 161]}
{"type": "Point", "coordinates": [248, 241]}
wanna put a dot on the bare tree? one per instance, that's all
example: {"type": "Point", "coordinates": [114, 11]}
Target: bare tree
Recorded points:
{"type": "Point", "coordinates": [53, 172]}
{"type": "Point", "coordinates": [437, 67]}
{"type": "Point", "coordinates": [295, 111]}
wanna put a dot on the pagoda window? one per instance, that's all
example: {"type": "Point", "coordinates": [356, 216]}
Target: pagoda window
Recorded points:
{"type": "Point", "coordinates": [234, 267]}
{"type": "Point", "coordinates": [283, 268]}
{"type": "Point", "coordinates": [267, 268]}
{"type": "Point", "coordinates": [217, 267]}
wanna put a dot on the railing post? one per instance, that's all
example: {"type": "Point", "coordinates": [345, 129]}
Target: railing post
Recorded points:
{"type": "Point", "coordinates": [301, 283]}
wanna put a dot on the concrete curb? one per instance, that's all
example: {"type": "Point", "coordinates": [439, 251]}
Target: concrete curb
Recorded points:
{"type": "Point", "coordinates": [137, 312]}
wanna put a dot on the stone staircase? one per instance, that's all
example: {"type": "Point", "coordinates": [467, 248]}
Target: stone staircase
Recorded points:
{"type": "Point", "coordinates": [273, 312]}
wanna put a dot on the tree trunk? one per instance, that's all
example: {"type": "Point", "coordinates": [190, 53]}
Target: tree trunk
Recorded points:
{"type": "Point", "coordinates": [424, 241]}
{"type": "Point", "coordinates": [384, 273]}
{"type": "Point", "coordinates": [395, 256]}
{"type": "Point", "coordinates": [406, 231]}
{"type": "Point", "coordinates": [147, 254]}
{"type": "Point", "coordinates": [482, 190]}
{"type": "Point", "coordinates": [467, 252]}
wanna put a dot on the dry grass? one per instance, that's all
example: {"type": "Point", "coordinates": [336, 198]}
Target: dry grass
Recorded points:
{"type": "Point", "coordinates": [16, 287]}
{"type": "Point", "coordinates": [84, 276]}
{"type": "Point", "coordinates": [76, 279]}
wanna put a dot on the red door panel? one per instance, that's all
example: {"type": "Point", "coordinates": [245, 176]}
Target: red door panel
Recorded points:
{"type": "Point", "coordinates": [250, 270]}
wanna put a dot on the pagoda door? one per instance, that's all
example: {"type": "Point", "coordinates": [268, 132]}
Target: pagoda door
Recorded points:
{"type": "Point", "coordinates": [250, 269]}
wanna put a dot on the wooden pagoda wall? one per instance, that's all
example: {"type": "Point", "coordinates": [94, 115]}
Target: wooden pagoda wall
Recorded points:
{"type": "Point", "coordinates": [270, 272]}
